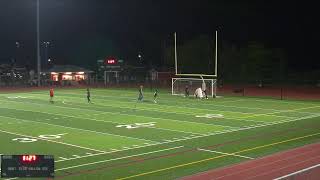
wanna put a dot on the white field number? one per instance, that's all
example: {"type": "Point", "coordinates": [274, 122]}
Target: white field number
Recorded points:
{"type": "Point", "coordinates": [46, 136]}
{"type": "Point", "coordinates": [137, 125]}
{"type": "Point", "coordinates": [210, 116]}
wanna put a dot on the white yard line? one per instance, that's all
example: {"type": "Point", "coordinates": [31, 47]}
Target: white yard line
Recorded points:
{"type": "Point", "coordinates": [125, 157]}
{"type": "Point", "coordinates": [58, 142]}
{"type": "Point", "coordinates": [93, 119]}
{"type": "Point", "coordinates": [163, 109]}
{"type": "Point", "coordinates": [298, 172]}
{"type": "Point", "coordinates": [191, 122]}
{"type": "Point", "coordinates": [229, 154]}
{"type": "Point", "coordinates": [211, 104]}
{"type": "Point", "coordinates": [67, 127]}
{"type": "Point", "coordinates": [211, 134]}
{"type": "Point", "coordinates": [153, 109]}
{"type": "Point", "coordinates": [221, 132]}
{"type": "Point", "coordinates": [121, 113]}
{"type": "Point", "coordinates": [125, 96]}
{"type": "Point", "coordinates": [221, 105]}
{"type": "Point", "coordinates": [133, 94]}
{"type": "Point", "coordinates": [290, 110]}
{"type": "Point", "coordinates": [187, 132]}
{"type": "Point", "coordinates": [63, 158]}
{"type": "Point", "coordinates": [285, 102]}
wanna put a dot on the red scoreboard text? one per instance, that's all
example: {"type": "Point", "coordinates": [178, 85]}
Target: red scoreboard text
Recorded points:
{"type": "Point", "coordinates": [111, 61]}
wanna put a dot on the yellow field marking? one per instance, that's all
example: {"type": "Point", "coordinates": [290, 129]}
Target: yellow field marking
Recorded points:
{"type": "Point", "coordinates": [217, 157]}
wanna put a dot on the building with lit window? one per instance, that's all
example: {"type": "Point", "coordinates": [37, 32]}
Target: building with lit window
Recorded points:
{"type": "Point", "coordinates": [69, 74]}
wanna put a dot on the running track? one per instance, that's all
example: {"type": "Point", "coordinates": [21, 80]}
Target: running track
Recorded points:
{"type": "Point", "coordinates": [268, 167]}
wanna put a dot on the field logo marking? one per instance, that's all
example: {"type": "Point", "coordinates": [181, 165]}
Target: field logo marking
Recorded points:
{"type": "Point", "coordinates": [30, 140]}
{"type": "Point", "coordinates": [210, 116]}
{"type": "Point", "coordinates": [137, 125]}
{"type": "Point", "coordinates": [25, 140]}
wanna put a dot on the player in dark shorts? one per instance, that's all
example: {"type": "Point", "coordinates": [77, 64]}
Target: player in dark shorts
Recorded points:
{"type": "Point", "coordinates": [88, 95]}
{"type": "Point", "coordinates": [155, 95]}
{"type": "Point", "coordinates": [186, 91]}
{"type": "Point", "coordinates": [140, 97]}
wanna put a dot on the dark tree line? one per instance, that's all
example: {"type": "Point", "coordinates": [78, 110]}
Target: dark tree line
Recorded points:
{"type": "Point", "coordinates": [253, 62]}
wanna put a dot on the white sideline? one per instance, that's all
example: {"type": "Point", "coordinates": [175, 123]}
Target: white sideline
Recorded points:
{"type": "Point", "coordinates": [58, 142]}
{"type": "Point", "coordinates": [125, 157]}
{"type": "Point", "coordinates": [297, 172]}
{"type": "Point", "coordinates": [229, 154]}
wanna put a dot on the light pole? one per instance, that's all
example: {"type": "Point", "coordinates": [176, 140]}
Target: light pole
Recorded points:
{"type": "Point", "coordinates": [17, 51]}
{"type": "Point", "coordinates": [38, 44]}
{"type": "Point", "coordinates": [46, 45]}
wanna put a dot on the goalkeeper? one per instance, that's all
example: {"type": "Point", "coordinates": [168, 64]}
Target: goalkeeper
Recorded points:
{"type": "Point", "coordinates": [198, 93]}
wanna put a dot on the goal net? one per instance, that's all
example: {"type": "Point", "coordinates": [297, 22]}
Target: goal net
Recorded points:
{"type": "Point", "coordinates": [179, 85]}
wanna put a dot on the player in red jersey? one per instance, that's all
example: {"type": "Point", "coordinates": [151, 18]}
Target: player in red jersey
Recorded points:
{"type": "Point", "coordinates": [51, 95]}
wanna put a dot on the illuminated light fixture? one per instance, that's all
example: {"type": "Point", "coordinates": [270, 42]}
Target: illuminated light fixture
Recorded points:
{"type": "Point", "coordinates": [80, 72]}
{"type": "Point", "coordinates": [68, 73]}
{"type": "Point", "coordinates": [111, 61]}
{"type": "Point", "coordinates": [54, 73]}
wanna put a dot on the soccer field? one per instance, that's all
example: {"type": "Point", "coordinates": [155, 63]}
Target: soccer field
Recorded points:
{"type": "Point", "coordinates": [117, 138]}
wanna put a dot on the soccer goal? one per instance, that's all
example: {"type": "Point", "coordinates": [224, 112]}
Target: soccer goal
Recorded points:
{"type": "Point", "coordinates": [179, 86]}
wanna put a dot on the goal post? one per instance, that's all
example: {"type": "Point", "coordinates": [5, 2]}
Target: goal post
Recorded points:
{"type": "Point", "coordinates": [178, 86]}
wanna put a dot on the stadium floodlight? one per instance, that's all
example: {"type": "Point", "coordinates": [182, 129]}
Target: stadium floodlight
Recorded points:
{"type": "Point", "coordinates": [140, 57]}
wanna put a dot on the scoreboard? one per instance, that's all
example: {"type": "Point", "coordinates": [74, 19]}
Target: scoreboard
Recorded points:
{"type": "Point", "coordinates": [27, 166]}
{"type": "Point", "coordinates": [110, 64]}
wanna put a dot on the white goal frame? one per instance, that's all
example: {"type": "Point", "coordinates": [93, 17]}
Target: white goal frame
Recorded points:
{"type": "Point", "coordinates": [213, 85]}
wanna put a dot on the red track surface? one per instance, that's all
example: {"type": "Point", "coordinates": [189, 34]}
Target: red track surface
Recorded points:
{"type": "Point", "coordinates": [268, 167]}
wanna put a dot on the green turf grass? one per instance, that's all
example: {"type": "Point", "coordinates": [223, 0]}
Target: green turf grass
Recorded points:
{"type": "Point", "coordinates": [108, 139]}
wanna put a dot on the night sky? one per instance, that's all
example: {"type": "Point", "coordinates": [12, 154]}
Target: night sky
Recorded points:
{"type": "Point", "coordinates": [130, 24]}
